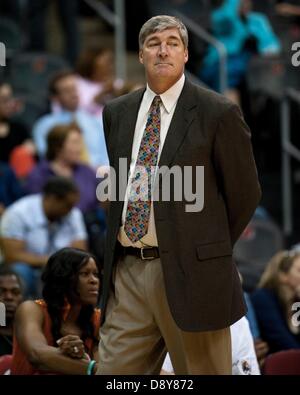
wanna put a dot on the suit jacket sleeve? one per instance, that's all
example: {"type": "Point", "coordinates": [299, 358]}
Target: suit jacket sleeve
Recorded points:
{"type": "Point", "coordinates": [236, 170]}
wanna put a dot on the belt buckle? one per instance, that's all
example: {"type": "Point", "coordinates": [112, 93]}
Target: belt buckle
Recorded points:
{"type": "Point", "coordinates": [146, 257]}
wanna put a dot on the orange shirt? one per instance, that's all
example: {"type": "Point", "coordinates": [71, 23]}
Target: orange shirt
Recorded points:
{"type": "Point", "coordinates": [21, 365]}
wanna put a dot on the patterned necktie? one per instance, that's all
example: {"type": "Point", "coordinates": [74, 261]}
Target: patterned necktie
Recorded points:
{"type": "Point", "coordinates": [139, 201]}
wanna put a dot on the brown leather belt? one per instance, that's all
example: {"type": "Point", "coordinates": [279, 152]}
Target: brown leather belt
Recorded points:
{"type": "Point", "coordinates": [144, 253]}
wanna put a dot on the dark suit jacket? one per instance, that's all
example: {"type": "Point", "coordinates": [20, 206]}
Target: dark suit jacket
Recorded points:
{"type": "Point", "coordinates": [202, 284]}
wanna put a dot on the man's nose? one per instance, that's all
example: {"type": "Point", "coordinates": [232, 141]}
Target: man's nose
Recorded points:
{"type": "Point", "coordinates": [163, 50]}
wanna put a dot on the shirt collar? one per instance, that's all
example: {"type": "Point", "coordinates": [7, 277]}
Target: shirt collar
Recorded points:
{"type": "Point", "coordinates": [169, 98]}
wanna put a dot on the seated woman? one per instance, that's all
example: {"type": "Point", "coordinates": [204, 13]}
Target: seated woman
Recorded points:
{"type": "Point", "coordinates": [59, 334]}
{"type": "Point", "coordinates": [96, 80]}
{"type": "Point", "coordinates": [64, 158]}
{"type": "Point", "coordinates": [279, 289]}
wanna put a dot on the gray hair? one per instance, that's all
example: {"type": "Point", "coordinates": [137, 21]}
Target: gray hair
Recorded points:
{"type": "Point", "coordinates": [162, 22]}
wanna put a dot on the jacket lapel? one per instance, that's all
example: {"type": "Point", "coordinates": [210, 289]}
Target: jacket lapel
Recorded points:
{"type": "Point", "coordinates": [182, 118]}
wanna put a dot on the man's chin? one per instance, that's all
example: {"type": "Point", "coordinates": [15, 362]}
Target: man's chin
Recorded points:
{"type": "Point", "coordinates": [164, 72]}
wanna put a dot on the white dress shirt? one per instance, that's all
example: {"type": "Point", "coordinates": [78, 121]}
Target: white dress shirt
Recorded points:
{"type": "Point", "coordinates": [169, 100]}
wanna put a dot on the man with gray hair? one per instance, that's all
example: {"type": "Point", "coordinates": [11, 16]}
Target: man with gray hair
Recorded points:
{"type": "Point", "coordinates": [169, 279]}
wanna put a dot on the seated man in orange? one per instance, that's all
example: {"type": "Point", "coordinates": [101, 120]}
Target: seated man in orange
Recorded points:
{"type": "Point", "coordinates": [59, 334]}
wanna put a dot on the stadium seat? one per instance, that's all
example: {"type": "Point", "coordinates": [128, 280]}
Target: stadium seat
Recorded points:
{"type": "Point", "coordinates": [283, 363]}
{"type": "Point", "coordinates": [5, 363]}
{"type": "Point", "coordinates": [271, 76]}
{"type": "Point", "coordinates": [31, 108]}
{"type": "Point", "coordinates": [11, 36]}
{"type": "Point", "coordinates": [261, 239]}
{"type": "Point", "coordinates": [31, 71]}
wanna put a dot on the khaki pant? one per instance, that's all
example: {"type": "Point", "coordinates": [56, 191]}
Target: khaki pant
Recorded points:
{"type": "Point", "coordinates": [139, 328]}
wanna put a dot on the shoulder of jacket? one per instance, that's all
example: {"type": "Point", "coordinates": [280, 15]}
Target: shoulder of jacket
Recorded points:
{"type": "Point", "coordinates": [124, 99]}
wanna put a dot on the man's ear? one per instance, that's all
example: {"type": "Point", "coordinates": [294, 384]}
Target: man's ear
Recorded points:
{"type": "Point", "coordinates": [186, 55]}
{"type": "Point", "coordinates": [141, 59]}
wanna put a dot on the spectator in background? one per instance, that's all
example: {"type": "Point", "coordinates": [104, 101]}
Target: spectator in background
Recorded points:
{"type": "Point", "coordinates": [64, 144]}
{"type": "Point", "coordinates": [38, 225]}
{"type": "Point", "coordinates": [11, 296]}
{"type": "Point", "coordinates": [12, 134]}
{"type": "Point", "coordinates": [96, 80]}
{"type": "Point", "coordinates": [59, 334]}
{"type": "Point", "coordinates": [63, 158]}
{"type": "Point", "coordinates": [63, 91]}
{"type": "Point", "coordinates": [243, 33]}
{"type": "Point", "coordinates": [10, 188]}
{"type": "Point", "coordinates": [279, 288]}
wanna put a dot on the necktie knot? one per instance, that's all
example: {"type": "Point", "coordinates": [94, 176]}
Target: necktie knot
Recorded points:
{"type": "Point", "coordinates": [156, 102]}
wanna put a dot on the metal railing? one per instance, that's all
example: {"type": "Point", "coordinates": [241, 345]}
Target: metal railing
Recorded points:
{"type": "Point", "coordinates": [220, 48]}
{"type": "Point", "coordinates": [289, 151]}
{"type": "Point", "coordinates": [117, 20]}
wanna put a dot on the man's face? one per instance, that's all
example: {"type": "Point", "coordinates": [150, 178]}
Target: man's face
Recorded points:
{"type": "Point", "coordinates": [164, 56]}
{"type": "Point", "coordinates": [10, 294]}
{"type": "Point", "coordinates": [67, 95]}
{"type": "Point", "coordinates": [58, 208]}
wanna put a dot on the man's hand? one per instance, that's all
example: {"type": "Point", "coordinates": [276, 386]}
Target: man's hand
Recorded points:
{"type": "Point", "coordinates": [72, 346]}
